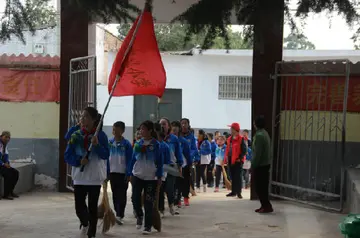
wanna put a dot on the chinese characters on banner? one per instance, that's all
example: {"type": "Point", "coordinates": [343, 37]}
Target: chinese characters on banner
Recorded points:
{"type": "Point", "coordinates": [320, 94]}
{"type": "Point", "coordinates": [29, 86]}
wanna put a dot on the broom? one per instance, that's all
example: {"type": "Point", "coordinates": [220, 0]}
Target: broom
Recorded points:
{"type": "Point", "coordinates": [109, 218]}
{"type": "Point", "coordinates": [227, 182]}
{"type": "Point", "coordinates": [156, 219]}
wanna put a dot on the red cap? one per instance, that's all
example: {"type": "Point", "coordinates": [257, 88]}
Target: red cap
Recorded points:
{"type": "Point", "coordinates": [235, 126]}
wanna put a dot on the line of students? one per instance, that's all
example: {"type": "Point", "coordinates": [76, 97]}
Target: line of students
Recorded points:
{"type": "Point", "coordinates": [142, 164]}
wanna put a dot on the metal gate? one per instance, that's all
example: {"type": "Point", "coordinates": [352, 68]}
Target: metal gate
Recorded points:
{"type": "Point", "coordinates": [309, 123]}
{"type": "Point", "coordinates": [82, 93]}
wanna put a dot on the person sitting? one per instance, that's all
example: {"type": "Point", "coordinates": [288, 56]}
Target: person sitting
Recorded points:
{"type": "Point", "coordinates": [11, 175]}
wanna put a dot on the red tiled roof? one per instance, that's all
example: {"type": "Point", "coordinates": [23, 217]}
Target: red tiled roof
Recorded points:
{"type": "Point", "coordinates": [30, 61]}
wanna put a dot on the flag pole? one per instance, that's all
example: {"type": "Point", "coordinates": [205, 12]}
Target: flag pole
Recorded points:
{"type": "Point", "coordinates": [117, 79]}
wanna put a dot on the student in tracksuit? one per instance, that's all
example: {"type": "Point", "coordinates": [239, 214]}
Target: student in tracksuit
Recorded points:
{"type": "Point", "coordinates": [183, 184]}
{"type": "Point", "coordinates": [219, 161]}
{"type": "Point", "coordinates": [209, 175]}
{"type": "Point", "coordinates": [176, 158]}
{"type": "Point", "coordinates": [87, 183]}
{"type": "Point", "coordinates": [146, 169]}
{"type": "Point", "coordinates": [188, 134]}
{"type": "Point", "coordinates": [120, 156]}
{"type": "Point", "coordinates": [204, 148]}
{"type": "Point", "coordinates": [165, 153]}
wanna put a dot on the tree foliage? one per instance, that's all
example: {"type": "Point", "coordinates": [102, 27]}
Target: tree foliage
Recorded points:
{"type": "Point", "coordinates": [19, 16]}
{"type": "Point", "coordinates": [206, 17]}
{"type": "Point", "coordinates": [298, 41]}
{"type": "Point", "coordinates": [170, 37]}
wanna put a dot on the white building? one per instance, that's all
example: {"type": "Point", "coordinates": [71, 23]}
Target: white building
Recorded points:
{"type": "Point", "coordinates": [212, 89]}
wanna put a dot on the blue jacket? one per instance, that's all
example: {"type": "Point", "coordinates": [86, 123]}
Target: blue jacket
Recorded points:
{"type": "Point", "coordinates": [75, 150]}
{"type": "Point", "coordinates": [165, 152]}
{"type": "Point", "coordinates": [175, 150]}
{"type": "Point", "coordinates": [153, 152]}
{"type": "Point", "coordinates": [213, 149]}
{"type": "Point", "coordinates": [249, 154]}
{"type": "Point", "coordinates": [119, 150]}
{"type": "Point", "coordinates": [4, 158]}
{"type": "Point", "coordinates": [194, 154]}
{"type": "Point", "coordinates": [205, 149]}
{"type": "Point", "coordinates": [186, 151]}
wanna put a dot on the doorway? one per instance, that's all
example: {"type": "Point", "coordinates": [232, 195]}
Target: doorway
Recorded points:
{"type": "Point", "coordinates": [148, 107]}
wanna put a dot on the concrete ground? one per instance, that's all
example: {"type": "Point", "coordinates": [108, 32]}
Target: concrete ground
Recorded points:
{"type": "Point", "coordinates": [51, 215]}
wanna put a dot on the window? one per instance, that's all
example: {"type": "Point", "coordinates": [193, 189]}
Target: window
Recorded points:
{"type": "Point", "coordinates": [235, 87]}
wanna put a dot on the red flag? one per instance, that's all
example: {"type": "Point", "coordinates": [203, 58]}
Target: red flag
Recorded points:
{"type": "Point", "coordinates": [142, 72]}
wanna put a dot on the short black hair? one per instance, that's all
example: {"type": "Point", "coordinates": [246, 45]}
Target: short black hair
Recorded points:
{"type": "Point", "coordinates": [120, 124]}
{"type": "Point", "coordinates": [176, 124]}
{"type": "Point", "coordinates": [210, 135]}
{"type": "Point", "coordinates": [246, 130]}
{"type": "Point", "coordinates": [185, 119]}
{"type": "Point", "coordinates": [260, 122]}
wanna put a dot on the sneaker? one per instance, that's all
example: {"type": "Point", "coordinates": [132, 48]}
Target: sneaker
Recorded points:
{"type": "Point", "coordinates": [230, 195]}
{"type": "Point", "coordinates": [14, 195]}
{"type": "Point", "coordinates": [7, 198]}
{"type": "Point", "coordinates": [186, 202]}
{"type": "Point", "coordinates": [216, 190]}
{"type": "Point", "coordinates": [146, 231]}
{"type": "Point", "coordinates": [177, 211]}
{"type": "Point", "coordinates": [83, 229]}
{"type": "Point", "coordinates": [139, 222]}
{"type": "Point", "coordinates": [171, 210]}
{"type": "Point", "coordinates": [204, 188]}
{"type": "Point", "coordinates": [179, 205]}
{"type": "Point", "coordinates": [119, 221]}
{"type": "Point", "coordinates": [266, 210]}
{"type": "Point", "coordinates": [240, 196]}
{"type": "Point", "coordinates": [198, 190]}
{"type": "Point", "coordinates": [257, 210]}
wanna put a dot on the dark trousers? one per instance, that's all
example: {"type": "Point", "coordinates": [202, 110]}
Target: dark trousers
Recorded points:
{"type": "Point", "coordinates": [11, 177]}
{"type": "Point", "coordinates": [236, 178]}
{"type": "Point", "coordinates": [246, 176]}
{"type": "Point", "coordinates": [186, 181]}
{"type": "Point", "coordinates": [218, 172]}
{"type": "Point", "coordinates": [119, 187]}
{"type": "Point", "coordinates": [87, 214]}
{"type": "Point", "coordinates": [178, 190]}
{"type": "Point", "coordinates": [162, 197]}
{"type": "Point", "coordinates": [261, 177]}
{"type": "Point", "coordinates": [149, 188]}
{"type": "Point", "coordinates": [209, 174]}
{"type": "Point", "coordinates": [200, 174]}
{"type": "Point", "coordinates": [193, 177]}
{"type": "Point", "coordinates": [170, 188]}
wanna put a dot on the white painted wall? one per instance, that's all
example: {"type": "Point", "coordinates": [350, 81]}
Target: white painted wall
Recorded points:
{"type": "Point", "coordinates": [49, 38]}
{"type": "Point", "coordinates": [197, 76]}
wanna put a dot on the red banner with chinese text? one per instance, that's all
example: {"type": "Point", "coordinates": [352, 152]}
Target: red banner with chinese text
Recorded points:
{"type": "Point", "coordinates": [319, 93]}
{"type": "Point", "coordinates": [29, 86]}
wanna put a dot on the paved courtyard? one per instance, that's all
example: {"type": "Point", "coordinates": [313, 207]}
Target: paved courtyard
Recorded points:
{"type": "Point", "coordinates": [51, 215]}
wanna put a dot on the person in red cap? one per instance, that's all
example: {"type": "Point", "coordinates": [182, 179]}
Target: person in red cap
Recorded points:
{"type": "Point", "coordinates": [235, 156]}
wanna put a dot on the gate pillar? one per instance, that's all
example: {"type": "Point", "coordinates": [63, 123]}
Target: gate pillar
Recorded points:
{"type": "Point", "coordinates": [74, 43]}
{"type": "Point", "coordinates": [267, 50]}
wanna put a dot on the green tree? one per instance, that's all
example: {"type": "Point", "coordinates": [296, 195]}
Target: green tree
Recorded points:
{"type": "Point", "coordinates": [170, 37]}
{"type": "Point", "coordinates": [19, 16]}
{"type": "Point", "coordinates": [298, 42]}
{"type": "Point", "coordinates": [215, 15]}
